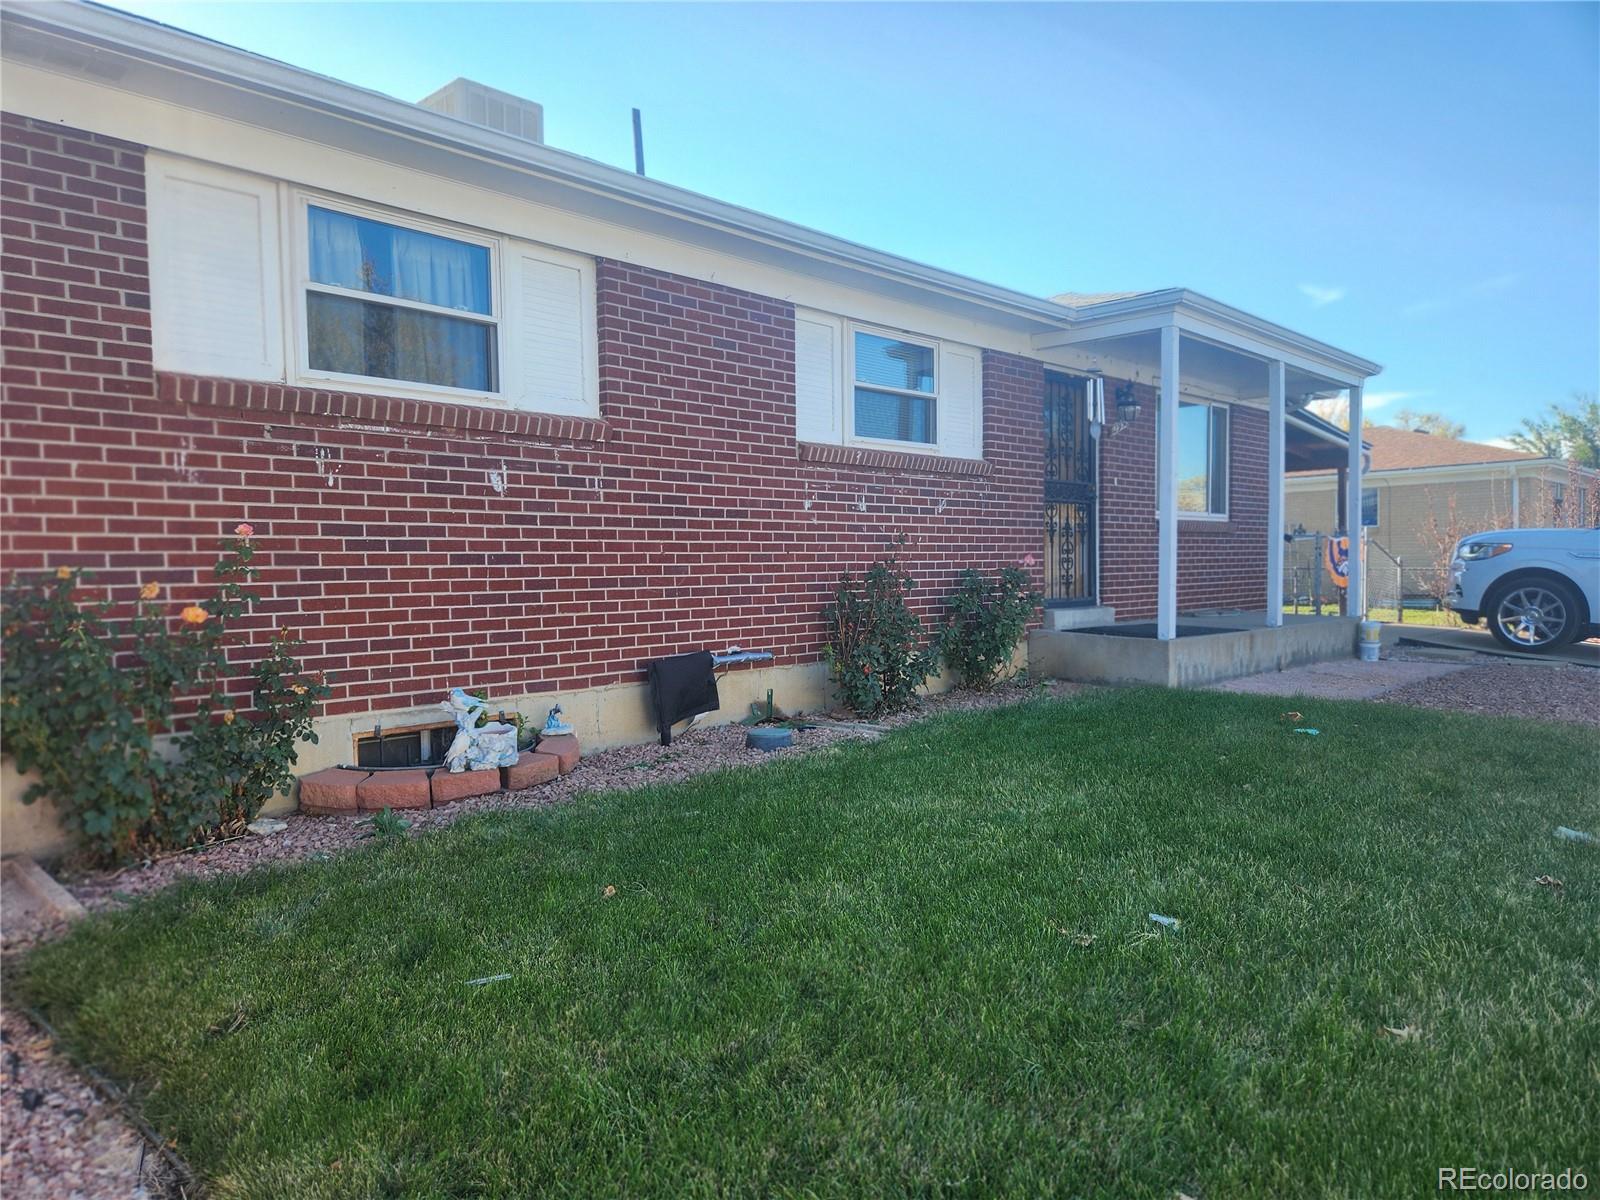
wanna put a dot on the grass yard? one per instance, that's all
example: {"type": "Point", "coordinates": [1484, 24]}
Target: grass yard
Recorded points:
{"type": "Point", "coordinates": [1441, 618]}
{"type": "Point", "coordinates": [869, 972]}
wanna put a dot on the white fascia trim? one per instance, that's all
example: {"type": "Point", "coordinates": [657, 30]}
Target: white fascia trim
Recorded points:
{"type": "Point", "coordinates": [177, 50]}
{"type": "Point", "coordinates": [1203, 317]}
{"type": "Point", "coordinates": [174, 49]}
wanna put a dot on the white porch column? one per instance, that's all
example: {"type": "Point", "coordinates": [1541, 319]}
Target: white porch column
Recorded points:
{"type": "Point", "coordinates": [1356, 588]}
{"type": "Point", "coordinates": [1275, 402]}
{"type": "Point", "coordinates": [1167, 489]}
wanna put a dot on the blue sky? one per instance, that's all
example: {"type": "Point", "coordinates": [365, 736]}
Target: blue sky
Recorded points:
{"type": "Point", "coordinates": [1419, 184]}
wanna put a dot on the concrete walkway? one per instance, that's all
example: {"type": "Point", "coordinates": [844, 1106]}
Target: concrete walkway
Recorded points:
{"type": "Point", "coordinates": [1344, 679]}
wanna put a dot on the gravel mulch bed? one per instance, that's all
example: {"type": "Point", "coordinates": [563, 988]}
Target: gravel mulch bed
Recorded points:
{"type": "Point", "coordinates": [62, 1140]}
{"type": "Point", "coordinates": [1545, 692]}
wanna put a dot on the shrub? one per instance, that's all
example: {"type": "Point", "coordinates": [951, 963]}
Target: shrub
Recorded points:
{"type": "Point", "coordinates": [987, 618]}
{"type": "Point", "coordinates": [875, 646]}
{"type": "Point", "coordinates": [88, 692]}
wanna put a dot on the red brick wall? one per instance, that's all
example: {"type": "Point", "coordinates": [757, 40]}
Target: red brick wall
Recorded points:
{"type": "Point", "coordinates": [1220, 564]}
{"type": "Point", "coordinates": [686, 517]}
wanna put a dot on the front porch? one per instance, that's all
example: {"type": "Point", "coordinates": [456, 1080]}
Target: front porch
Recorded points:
{"type": "Point", "coordinates": [1170, 420]}
{"type": "Point", "coordinates": [1204, 648]}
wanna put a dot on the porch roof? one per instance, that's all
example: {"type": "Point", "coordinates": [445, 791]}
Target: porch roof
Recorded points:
{"type": "Point", "coordinates": [1311, 443]}
{"type": "Point", "coordinates": [1226, 349]}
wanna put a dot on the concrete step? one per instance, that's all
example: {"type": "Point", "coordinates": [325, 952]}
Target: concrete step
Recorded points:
{"type": "Point", "coordinates": [1080, 617]}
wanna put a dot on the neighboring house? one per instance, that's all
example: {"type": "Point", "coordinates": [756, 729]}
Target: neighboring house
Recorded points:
{"type": "Point", "coordinates": [1422, 492]}
{"type": "Point", "coordinates": [506, 417]}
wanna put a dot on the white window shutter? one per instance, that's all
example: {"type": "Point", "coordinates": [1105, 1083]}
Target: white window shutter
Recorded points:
{"type": "Point", "coordinates": [215, 293]}
{"type": "Point", "coordinates": [818, 411]}
{"type": "Point", "coordinates": [553, 342]}
{"type": "Point", "coordinates": [960, 416]}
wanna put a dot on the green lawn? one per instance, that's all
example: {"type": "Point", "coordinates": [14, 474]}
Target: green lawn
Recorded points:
{"type": "Point", "coordinates": [1414, 616]}
{"type": "Point", "coordinates": [862, 973]}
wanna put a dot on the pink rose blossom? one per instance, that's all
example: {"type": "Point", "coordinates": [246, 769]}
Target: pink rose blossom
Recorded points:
{"type": "Point", "coordinates": [1027, 560]}
{"type": "Point", "coordinates": [244, 529]}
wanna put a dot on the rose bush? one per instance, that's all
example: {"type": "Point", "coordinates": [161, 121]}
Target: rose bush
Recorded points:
{"type": "Point", "coordinates": [90, 690]}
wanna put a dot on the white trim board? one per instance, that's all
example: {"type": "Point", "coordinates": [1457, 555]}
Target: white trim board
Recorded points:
{"type": "Point", "coordinates": [205, 77]}
{"type": "Point", "coordinates": [467, 200]}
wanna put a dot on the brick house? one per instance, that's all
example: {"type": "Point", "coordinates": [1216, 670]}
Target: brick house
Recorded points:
{"type": "Point", "coordinates": [506, 417]}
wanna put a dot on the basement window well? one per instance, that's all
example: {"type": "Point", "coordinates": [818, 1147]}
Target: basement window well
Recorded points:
{"type": "Point", "coordinates": [415, 746]}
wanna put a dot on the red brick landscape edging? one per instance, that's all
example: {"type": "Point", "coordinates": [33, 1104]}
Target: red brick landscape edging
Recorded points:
{"type": "Point", "coordinates": [335, 791]}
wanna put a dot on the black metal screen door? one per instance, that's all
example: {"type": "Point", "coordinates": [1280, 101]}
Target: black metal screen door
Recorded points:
{"type": "Point", "coordinates": [1069, 493]}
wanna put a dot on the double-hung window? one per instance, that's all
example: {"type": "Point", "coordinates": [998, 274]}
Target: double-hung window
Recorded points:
{"type": "Point", "coordinates": [1202, 460]}
{"type": "Point", "coordinates": [1369, 507]}
{"type": "Point", "coordinates": [388, 301]}
{"type": "Point", "coordinates": [896, 394]}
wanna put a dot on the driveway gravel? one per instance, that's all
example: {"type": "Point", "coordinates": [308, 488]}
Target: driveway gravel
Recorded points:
{"type": "Point", "coordinates": [1345, 679]}
{"type": "Point", "coordinates": [1546, 692]}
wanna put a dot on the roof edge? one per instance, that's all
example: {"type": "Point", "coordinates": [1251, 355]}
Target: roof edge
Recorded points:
{"type": "Point", "coordinates": [167, 46]}
{"type": "Point", "coordinates": [1181, 298]}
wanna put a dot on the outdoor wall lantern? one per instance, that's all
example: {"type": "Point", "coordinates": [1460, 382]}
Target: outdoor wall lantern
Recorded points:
{"type": "Point", "coordinates": [1127, 408]}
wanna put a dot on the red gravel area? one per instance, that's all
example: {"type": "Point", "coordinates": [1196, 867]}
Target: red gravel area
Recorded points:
{"type": "Point", "coordinates": [1544, 691]}
{"type": "Point", "coordinates": [62, 1141]}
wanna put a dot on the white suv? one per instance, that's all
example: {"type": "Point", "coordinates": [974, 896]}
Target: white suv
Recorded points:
{"type": "Point", "coordinates": [1537, 588]}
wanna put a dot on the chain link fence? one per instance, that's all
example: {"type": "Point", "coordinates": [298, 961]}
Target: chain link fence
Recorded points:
{"type": "Point", "coordinates": [1394, 588]}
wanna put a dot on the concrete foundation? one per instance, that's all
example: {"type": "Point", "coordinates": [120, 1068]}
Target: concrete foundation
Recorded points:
{"type": "Point", "coordinates": [1245, 647]}
{"type": "Point", "coordinates": [1079, 616]}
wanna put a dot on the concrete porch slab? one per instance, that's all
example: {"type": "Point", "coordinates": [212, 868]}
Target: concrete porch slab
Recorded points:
{"type": "Point", "coordinates": [1079, 616]}
{"type": "Point", "coordinates": [1233, 645]}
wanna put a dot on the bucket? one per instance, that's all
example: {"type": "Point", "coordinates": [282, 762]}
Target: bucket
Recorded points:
{"type": "Point", "coordinates": [1371, 631]}
{"type": "Point", "coordinates": [769, 737]}
{"type": "Point", "coordinates": [1369, 651]}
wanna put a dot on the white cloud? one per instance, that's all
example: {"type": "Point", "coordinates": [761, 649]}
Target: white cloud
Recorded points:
{"type": "Point", "coordinates": [1480, 290]}
{"type": "Point", "coordinates": [1371, 400]}
{"type": "Point", "coordinates": [1319, 295]}
{"type": "Point", "coordinates": [1503, 443]}
{"type": "Point", "coordinates": [1337, 408]}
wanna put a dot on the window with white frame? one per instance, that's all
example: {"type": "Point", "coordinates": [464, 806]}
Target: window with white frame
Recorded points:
{"type": "Point", "coordinates": [896, 394]}
{"type": "Point", "coordinates": [1369, 507]}
{"type": "Point", "coordinates": [390, 301]}
{"type": "Point", "coordinates": [879, 387]}
{"type": "Point", "coordinates": [258, 278]}
{"type": "Point", "coordinates": [1202, 460]}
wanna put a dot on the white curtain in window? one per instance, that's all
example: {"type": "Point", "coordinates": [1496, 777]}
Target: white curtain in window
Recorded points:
{"type": "Point", "coordinates": [389, 260]}
{"type": "Point", "coordinates": [336, 251]}
{"type": "Point", "coordinates": [439, 271]}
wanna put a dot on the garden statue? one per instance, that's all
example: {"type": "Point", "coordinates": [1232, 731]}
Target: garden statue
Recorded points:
{"type": "Point", "coordinates": [477, 747]}
{"type": "Point", "coordinates": [554, 726]}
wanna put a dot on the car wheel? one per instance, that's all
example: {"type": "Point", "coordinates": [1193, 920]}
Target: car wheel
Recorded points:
{"type": "Point", "coordinates": [1536, 614]}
